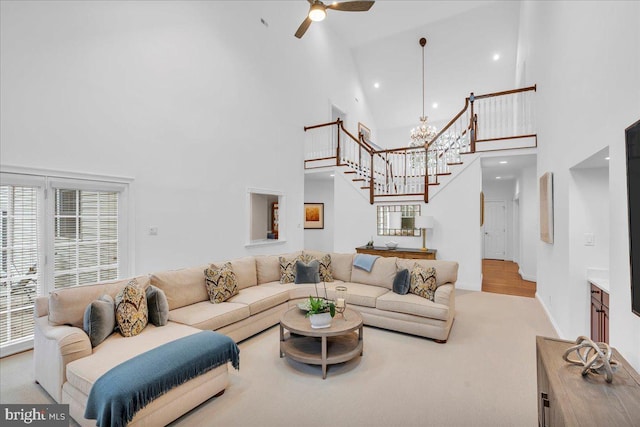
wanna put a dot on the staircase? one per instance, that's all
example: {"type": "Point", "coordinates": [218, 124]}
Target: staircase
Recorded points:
{"type": "Point", "coordinates": [492, 122]}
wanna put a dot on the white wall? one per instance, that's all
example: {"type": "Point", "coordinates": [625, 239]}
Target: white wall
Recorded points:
{"type": "Point", "coordinates": [320, 191]}
{"type": "Point", "coordinates": [529, 217]}
{"type": "Point", "coordinates": [584, 58]}
{"type": "Point", "coordinates": [456, 234]}
{"type": "Point", "coordinates": [197, 101]}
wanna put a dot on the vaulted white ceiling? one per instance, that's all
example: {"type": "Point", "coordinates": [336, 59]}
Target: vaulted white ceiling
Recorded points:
{"type": "Point", "coordinates": [463, 37]}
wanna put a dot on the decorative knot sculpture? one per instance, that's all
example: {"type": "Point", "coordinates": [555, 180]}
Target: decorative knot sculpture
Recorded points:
{"type": "Point", "coordinates": [594, 357]}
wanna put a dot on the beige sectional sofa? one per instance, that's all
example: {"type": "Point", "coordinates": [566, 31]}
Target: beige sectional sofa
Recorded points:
{"type": "Point", "coordinates": [66, 366]}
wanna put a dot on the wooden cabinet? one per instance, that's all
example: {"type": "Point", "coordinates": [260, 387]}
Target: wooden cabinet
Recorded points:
{"type": "Point", "coordinates": [599, 314]}
{"type": "Point", "coordinates": [410, 253]}
{"type": "Point", "coordinates": [566, 398]}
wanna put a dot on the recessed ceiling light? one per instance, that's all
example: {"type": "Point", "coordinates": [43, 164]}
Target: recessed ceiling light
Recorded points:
{"type": "Point", "coordinates": [434, 105]}
{"type": "Point", "coordinates": [496, 56]}
{"type": "Point", "coordinates": [606, 158]}
{"type": "Point", "coordinates": [332, 175]}
{"type": "Point", "coordinates": [503, 162]}
{"type": "Point", "coordinates": [498, 177]}
{"type": "Point", "coordinates": [376, 85]}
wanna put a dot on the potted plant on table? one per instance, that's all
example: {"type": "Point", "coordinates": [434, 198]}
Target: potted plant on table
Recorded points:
{"type": "Point", "coordinates": [320, 311]}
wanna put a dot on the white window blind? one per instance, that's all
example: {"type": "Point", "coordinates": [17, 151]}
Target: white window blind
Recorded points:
{"type": "Point", "coordinates": [55, 232]}
{"type": "Point", "coordinates": [19, 261]}
{"type": "Point", "coordinates": [85, 237]}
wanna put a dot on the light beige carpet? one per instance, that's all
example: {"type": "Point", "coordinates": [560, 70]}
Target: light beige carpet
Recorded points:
{"type": "Point", "coordinates": [485, 375]}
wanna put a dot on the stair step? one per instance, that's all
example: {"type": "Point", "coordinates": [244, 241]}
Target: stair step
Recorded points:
{"type": "Point", "coordinates": [349, 171]}
{"type": "Point", "coordinates": [455, 164]}
{"type": "Point", "coordinates": [443, 173]}
{"type": "Point", "coordinates": [434, 183]}
{"type": "Point", "coordinates": [358, 179]}
{"type": "Point", "coordinates": [365, 188]}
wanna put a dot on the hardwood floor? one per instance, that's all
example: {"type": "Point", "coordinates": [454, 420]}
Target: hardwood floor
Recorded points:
{"type": "Point", "coordinates": [501, 277]}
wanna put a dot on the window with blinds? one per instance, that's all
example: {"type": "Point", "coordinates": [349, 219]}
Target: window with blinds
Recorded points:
{"type": "Point", "coordinates": [55, 232]}
{"type": "Point", "coordinates": [19, 261]}
{"type": "Point", "coordinates": [86, 237]}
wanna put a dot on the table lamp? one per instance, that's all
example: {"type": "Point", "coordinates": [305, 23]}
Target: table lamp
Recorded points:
{"type": "Point", "coordinates": [423, 223]}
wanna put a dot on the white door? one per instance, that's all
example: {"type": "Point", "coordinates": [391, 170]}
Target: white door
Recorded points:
{"type": "Point", "coordinates": [495, 230]}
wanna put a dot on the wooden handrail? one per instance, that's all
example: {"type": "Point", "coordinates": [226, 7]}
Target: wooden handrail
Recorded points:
{"type": "Point", "coordinates": [507, 92]}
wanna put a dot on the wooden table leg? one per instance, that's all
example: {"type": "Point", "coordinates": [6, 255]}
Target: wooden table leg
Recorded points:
{"type": "Point", "coordinates": [360, 338]}
{"type": "Point", "coordinates": [324, 357]}
{"type": "Point", "coordinates": [281, 340]}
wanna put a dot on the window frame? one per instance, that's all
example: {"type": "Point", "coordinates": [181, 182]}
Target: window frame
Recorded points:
{"type": "Point", "coordinates": [46, 181]}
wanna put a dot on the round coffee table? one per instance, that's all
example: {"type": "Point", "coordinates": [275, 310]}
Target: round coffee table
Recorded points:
{"type": "Point", "coordinates": [338, 343]}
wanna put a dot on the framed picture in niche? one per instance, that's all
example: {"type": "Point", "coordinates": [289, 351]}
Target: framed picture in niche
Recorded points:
{"type": "Point", "coordinates": [313, 216]}
{"type": "Point", "coordinates": [365, 131]}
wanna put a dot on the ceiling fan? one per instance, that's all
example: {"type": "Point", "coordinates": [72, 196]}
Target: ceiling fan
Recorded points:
{"type": "Point", "coordinates": [318, 11]}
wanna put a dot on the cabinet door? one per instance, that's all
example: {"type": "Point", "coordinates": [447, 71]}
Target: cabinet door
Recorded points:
{"type": "Point", "coordinates": [595, 320]}
{"type": "Point", "coordinates": [604, 321]}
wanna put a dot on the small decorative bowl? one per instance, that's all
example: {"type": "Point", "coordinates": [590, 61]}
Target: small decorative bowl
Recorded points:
{"type": "Point", "coordinates": [391, 245]}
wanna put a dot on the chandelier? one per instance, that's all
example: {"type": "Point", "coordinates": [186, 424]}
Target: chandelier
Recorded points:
{"type": "Point", "coordinates": [423, 133]}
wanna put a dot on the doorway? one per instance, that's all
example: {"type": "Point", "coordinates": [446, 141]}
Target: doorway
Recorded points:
{"type": "Point", "coordinates": [495, 229]}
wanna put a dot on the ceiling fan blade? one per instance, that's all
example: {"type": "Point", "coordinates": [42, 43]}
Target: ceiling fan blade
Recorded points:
{"type": "Point", "coordinates": [303, 27]}
{"type": "Point", "coordinates": [352, 6]}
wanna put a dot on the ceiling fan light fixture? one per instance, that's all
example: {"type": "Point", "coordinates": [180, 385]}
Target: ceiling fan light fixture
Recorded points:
{"type": "Point", "coordinates": [317, 12]}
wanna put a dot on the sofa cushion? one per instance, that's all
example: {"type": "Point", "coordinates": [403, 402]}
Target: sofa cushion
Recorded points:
{"type": "Point", "coordinates": [182, 287]}
{"type": "Point", "coordinates": [382, 273]}
{"type": "Point", "coordinates": [245, 271]}
{"type": "Point", "coordinates": [325, 264]}
{"type": "Point", "coordinates": [132, 314]}
{"type": "Point", "coordinates": [157, 305]}
{"type": "Point", "coordinates": [261, 298]}
{"type": "Point", "coordinates": [204, 315]}
{"type": "Point", "coordinates": [341, 266]}
{"type": "Point", "coordinates": [307, 272]}
{"type": "Point", "coordinates": [268, 267]}
{"type": "Point", "coordinates": [66, 306]}
{"type": "Point", "coordinates": [447, 271]}
{"type": "Point", "coordinates": [359, 294]}
{"type": "Point", "coordinates": [423, 282]}
{"type": "Point", "coordinates": [100, 319]}
{"type": "Point", "coordinates": [402, 282]}
{"type": "Point", "coordinates": [412, 304]}
{"type": "Point", "coordinates": [116, 349]}
{"type": "Point", "coordinates": [221, 282]}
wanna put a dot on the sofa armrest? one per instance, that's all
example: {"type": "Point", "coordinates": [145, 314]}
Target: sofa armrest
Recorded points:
{"type": "Point", "coordinates": [445, 295]}
{"type": "Point", "coordinates": [53, 348]}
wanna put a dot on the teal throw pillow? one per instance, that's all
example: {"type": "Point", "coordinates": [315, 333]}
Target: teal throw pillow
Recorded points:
{"type": "Point", "coordinates": [99, 319]}
{"type": "Point", "coordinates": [402, 282]}
{"type": "Point", "coordinates": [307, 273]}
{"type": "Point", "coordinates": [157, 305]}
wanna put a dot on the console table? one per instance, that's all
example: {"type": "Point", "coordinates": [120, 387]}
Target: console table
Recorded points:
{"type": "Point", "coordinates": [566, 398]}
{"type": "Point", "coordinates": [411, 253]}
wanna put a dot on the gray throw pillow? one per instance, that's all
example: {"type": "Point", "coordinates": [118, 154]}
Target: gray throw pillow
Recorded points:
{"type": "Point", "coordinates": [402, 282]}
{"type": "Point", "coordinates": [307, 273]}
{"type": "Point", "coordinates": [157, 305]}
{"type": "Point", "coordinates": [99, 319]}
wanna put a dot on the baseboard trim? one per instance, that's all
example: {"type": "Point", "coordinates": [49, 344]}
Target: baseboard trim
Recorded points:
{"type": "Point", "coordinates": [526, 276]}
{"type": "Point", "coordinates": [550, 317]}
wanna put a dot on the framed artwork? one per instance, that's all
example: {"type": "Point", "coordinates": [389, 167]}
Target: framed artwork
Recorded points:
{"type": "Point", "coordinates": [546, 207]}
{"type": "Point", "coordinates": [365, 131]}
{"type": "Point", "coordinates": [313, 216]}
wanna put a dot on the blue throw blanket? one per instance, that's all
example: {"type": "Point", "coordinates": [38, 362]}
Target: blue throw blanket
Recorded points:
{"type": "Point", "coordinates": [125, 389]}
{"type": "Point", "coordinates": [365, 261]}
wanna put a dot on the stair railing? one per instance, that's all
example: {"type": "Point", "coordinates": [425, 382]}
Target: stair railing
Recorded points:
{"type": "Point", "coordinates": [409, 171]}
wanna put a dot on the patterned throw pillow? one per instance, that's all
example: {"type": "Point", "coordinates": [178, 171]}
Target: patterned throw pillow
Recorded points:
{"type": "Point", "coordinates": [288, 267]}
{"type": "Point", "coordinates": [221, 282]}
{"type": "Point", "coordinates": [131, 309]}
{"type": "Point", "coordinates": [325, 268]}
{"type": "Point", "coordinates": [423, 282]}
